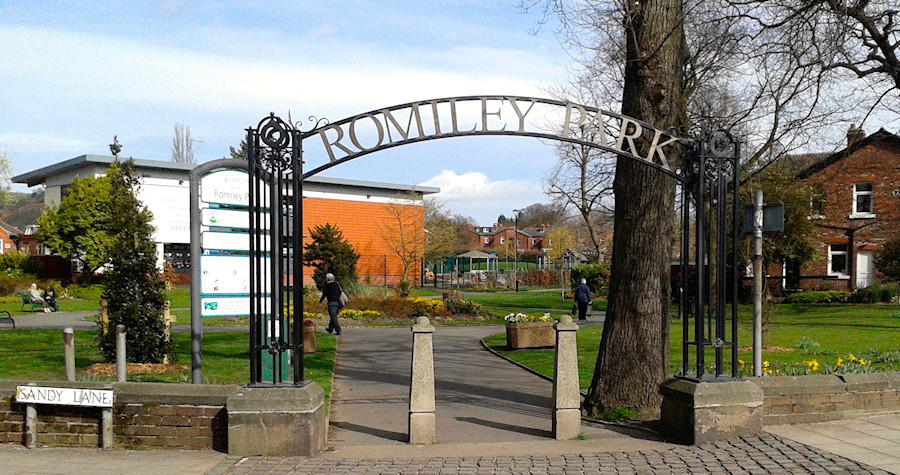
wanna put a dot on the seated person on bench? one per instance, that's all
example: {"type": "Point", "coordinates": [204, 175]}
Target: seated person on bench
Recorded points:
{"type": "Point", "coordinates": [50, 297]}
{"type": "Point", "coordinates": [36, 297]}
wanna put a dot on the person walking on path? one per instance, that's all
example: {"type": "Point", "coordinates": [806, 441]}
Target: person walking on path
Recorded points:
{"type": "Point", "coordinates": [332, 292]}
{"type": "Point", "coordinates": [583, 299]}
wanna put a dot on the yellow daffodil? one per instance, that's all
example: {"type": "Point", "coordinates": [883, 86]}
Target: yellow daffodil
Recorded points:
{"type": "Point", "coordinates": [851, 357]}
{"type": "Point", "coordinates": [840, 362]}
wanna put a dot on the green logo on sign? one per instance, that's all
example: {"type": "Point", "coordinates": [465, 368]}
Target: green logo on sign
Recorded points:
{"type": "Point", "coordinates": [210, 305]}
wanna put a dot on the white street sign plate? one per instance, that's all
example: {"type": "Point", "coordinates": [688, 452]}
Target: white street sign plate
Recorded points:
{"type": "Point", "coordinates": [64, 396]}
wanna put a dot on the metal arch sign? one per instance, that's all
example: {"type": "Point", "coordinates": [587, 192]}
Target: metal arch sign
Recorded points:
{"type": "Point", "coordinates": [433, 119]}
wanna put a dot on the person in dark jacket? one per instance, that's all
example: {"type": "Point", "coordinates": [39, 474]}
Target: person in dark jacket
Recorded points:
{"type": "Point", "coordinates": [50, 298]}
{"type": "Point", "coordinates": [332, 293]}
{"type": "Point", "coordinates": [582, 298]}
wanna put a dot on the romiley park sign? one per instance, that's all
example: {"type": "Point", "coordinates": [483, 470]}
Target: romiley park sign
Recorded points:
{"type": "Point", "coordinates": [491, 115]}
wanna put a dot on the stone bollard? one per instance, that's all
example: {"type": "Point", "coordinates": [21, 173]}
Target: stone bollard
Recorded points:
{"type": "Point", "coordinates": [421, 389]}
{"type": "Point", "coordinates": [566, 395]}
{"type": "Point", "coordinates": [121, 368]}
{"type": "Point", "coordinates": [69, 341]}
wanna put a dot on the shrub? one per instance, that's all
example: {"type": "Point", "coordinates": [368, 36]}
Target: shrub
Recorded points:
{"type": "Point", "coordinates": [86, 292]}
{"type": "Point", "coordinates": [597, 276]}
{"type": "Point", "coordinates": [819, 296]}
{"type": "Point", "coordinates": [19, 264]}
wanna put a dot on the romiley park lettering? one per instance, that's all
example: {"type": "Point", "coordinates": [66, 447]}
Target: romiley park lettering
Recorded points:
{"type": "Point", "coordinates": [493, 115]}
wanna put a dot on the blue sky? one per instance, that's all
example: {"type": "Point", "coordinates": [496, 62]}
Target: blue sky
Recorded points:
{"type": "Point", "coordinates": [73, 74]}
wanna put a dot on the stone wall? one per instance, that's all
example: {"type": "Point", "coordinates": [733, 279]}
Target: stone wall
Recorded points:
{"type": "Point", "coordinates": [159, 415]}
{"type": "Point", "coordinates": [794, 399]}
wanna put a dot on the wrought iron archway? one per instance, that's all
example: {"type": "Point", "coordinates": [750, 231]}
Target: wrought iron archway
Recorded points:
{"type": "Point", "coordinates": [707, 175]}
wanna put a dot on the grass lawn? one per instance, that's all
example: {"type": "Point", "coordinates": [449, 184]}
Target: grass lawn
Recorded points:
{"type": "Point", "coordinates": [820, 333]}
{"type": "Point", "coordinates": [545, 299]}
{"type": "Point", "coordinates": [39, 355]}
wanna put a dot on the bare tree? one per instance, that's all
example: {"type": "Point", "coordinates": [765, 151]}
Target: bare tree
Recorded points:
{"type": "Point", "coordinates": [182, 145]}
{"type": "Point", "coordinates": [403, 231]}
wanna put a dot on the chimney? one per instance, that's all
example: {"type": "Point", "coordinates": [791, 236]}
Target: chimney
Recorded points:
{"type": "Point", "coordinates": [854, 135]}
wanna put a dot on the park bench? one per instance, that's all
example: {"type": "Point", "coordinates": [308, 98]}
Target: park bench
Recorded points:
{"type": "Point", "coordinates": [27, 300]}
{"type": "Point", "coordinates": [5, 317]}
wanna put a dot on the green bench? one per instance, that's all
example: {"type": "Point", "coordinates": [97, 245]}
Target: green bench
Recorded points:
{"type": "Point", "coordinates": [7, 319]}
{"type": "Point", "coordinates": [27, 300]}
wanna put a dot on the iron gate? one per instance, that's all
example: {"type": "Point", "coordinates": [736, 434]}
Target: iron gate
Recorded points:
{"type": "Point", "coordinates": [707, 283]}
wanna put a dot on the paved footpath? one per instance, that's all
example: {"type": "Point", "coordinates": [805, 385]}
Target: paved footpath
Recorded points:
{"type": "Point", "coordinates": [492, 418]}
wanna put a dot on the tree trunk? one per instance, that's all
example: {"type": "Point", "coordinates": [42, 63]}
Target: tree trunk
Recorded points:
{"type": "Point", "coordinates": [634, 348]}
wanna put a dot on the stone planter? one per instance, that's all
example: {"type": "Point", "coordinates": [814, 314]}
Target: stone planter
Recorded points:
{"type": "Point", "coordinates": [309, 338]}
{"type": "Point", "coordinates": [530, 335]}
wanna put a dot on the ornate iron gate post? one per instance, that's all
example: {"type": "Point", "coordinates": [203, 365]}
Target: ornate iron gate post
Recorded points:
{"type": "Point", "coordinates": [276, 254]}
{"type": "Point", "coordinates": [709, 267]}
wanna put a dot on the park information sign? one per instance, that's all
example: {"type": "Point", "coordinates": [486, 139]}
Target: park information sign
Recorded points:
{"type": "Point", "coordinates": [64, 396]}
{"type": "Point", "coordinates": [225, 239]}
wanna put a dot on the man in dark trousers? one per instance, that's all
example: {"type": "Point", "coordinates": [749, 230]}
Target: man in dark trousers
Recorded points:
{"type": "Point", "coordinates": [582, 298]}
{"type": "Point", "coordinates": [332, 292]}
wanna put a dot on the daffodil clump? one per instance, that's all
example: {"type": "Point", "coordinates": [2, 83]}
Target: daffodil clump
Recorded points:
{"type": "Point", "coordinates": [354, 314]}
{"type": "Point", "coordinates": [425, 306]}
{"type": "Point", "coordinates": [848, 364]}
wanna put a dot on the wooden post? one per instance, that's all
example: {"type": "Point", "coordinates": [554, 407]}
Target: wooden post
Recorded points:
{"type": "Point", "coordinates": [104, 316]}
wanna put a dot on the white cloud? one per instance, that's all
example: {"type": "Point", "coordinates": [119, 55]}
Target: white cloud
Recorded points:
{"type": "Point", "coordinates": [474, 194]}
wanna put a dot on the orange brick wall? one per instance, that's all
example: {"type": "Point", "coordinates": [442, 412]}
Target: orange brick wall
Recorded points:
{"type": "Point", "coordinates": [362, 224]}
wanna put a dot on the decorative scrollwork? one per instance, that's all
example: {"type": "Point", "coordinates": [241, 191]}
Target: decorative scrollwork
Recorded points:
{"type": "Point", "coordinates": [277, 346]}
{"type": "Point", "coordinates": [726, 168]}
{"type": "Point", "coordinates": [712, 169]}
{"type": "Point", "coordinates": [720, 144]}
{"type": "Point", "coordinates": [275, 133]}
{"type": "Point", "coordinates": [269, 159]}
{"type": "Point", "coordinates": [315, 121]}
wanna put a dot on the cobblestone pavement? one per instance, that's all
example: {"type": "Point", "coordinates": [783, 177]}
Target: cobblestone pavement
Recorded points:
{"type": "Point", "coordinates": [763, 454]}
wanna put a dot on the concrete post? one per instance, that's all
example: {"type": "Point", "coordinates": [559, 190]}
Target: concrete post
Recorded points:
{"type": "Point", "coordinates": [30, 425]}
{"type": "Point", "coordinates": [106, 428]}
{"type": "Point", "coordinates": [69, 341]}
{"type": "Point", "coordinates": [121, 368]}
{"type": "Point", "coordinates": [566, 394]}
{"type": "Point", "coordinates": [421, 389]}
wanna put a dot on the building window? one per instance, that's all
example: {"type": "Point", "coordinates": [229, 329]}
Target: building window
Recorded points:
{"type": "Point", "coordinates": [533, 241]}
{"type": "Point", "coordinates": [817, 202]}
{"type": "Point", "coordinates": [837, 260]}
{"type": "Point", "coordinates": [502, 240]}
{"type": "Point", "coordinates": [487, 240]}
{"type": "Point", "coordinates": [862, 200]}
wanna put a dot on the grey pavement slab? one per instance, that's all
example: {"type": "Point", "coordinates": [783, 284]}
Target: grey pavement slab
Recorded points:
{"type": "Point", "coordinates": [873, 440]}
{"type": "Point", "coordinates": [16, 459]}
{"type": "Point", "coordinates": [480, 398]}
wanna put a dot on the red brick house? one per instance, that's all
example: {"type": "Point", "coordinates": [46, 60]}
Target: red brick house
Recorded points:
{"type": "Point", "coordinates": [499, 237]}
{"type": "Point", "coordinates": [856, 209]}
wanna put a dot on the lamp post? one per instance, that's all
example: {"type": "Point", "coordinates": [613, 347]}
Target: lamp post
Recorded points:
{"type": "Point", "coordinates": [516, 245]}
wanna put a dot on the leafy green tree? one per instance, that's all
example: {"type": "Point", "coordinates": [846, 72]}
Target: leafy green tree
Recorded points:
{"type": "Point", "coordinates": [134, 288]}
{"type": "Point", "coordinates": [329, 252]}
{"type": "Point", "coordinates": [795, 245]}
{"type": "Point", "coordinates": [81, 226]}
{"type": "Point", "coordinates": [242, 152]}
{"type": "Point", "coordinates": [888, 260]}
